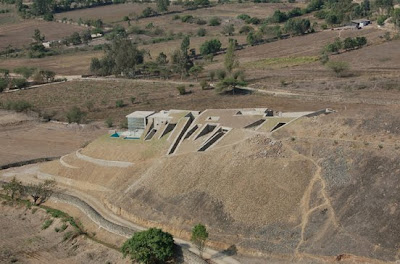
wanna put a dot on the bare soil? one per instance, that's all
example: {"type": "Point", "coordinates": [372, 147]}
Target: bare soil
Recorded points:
{"type": "Point", "coordinates": [24, 240]}
{"type": "Point", "coordinates": [25, 138]}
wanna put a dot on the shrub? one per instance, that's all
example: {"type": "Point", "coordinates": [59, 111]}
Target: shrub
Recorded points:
{"type": "Point", "coordinates": [338, 67]}
{"type": "Point", "coordinates": [18, 83]}
{"type": "Point", "coordinates": [203, 84]}
{"type": "Point", "coordinates": [47, 223]}
{"type": "Point", "coordinates": [187, 18]}
{"type": "Point", "coordinates": [3, 84]}
{"type": "Point", "coordinates": [381, 20]}
{"type": "Point", "coordinates": [181, 89]}
{"type": "Point", "coordinates": [123, 124]}
{"type": "Point", "coordinates": [201, 22]}
{"type": "Point", "coordinates": [26, 72]}
{"type": "Point", "coordinates": [150, 246]}
{"type": "Point", "coordinates": [109, 122]}
{"type": "Point", "coordinates": [214, 21]}
{"type": "Point", "coordinates": [133, 99]}
{"type": "Point", "coordinates": [19, 106]}
{"type": "Point", "coordinates": [246, 29]}
{"type": "Point", "coordinates": [221, 74]}
{"type": "Point", "coordinates": [75, 115]}
{"type": "Point", "coordinates": [211, 74]}
{"type": "Point", "coordinates": [201, 32]}
{"type": "Point", "coordinates": [119, 103]}
{"type": "Point", "coordinates": [243, 17]}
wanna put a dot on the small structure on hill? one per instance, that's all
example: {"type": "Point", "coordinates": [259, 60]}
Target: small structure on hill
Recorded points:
{"type": "Point", "coordinates": [360, 23]}
{"type": "Point", "coordinates": [137, 122]}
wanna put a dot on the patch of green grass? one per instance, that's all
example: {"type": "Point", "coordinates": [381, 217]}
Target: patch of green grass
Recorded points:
{"type": "Point", "coordinates": [47, 223]}
{"type": "Point", "coordinates": [56, 213]}
{"type": "Point", "coordinates": [281, 62]}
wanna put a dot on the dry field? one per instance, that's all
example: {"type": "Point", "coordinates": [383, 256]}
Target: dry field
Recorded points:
{"type": "Point", "coordinates": [20, 34]}
{"type": "Point", "coordinates": [25, 138]}
{"type": "Point", "coordinates": [111, 13]}
{"type": "Point", "coordinates": [24, 241]}
{"type": "Point", "coordinates": [149, 96]}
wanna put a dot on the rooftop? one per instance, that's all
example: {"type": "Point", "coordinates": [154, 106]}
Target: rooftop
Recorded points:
{"type": "Point", "coordinates": [140, 114]}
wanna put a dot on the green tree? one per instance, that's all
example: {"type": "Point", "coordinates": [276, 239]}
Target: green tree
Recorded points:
{"type": "Point", "coordinates": [37, 36]}
{"type": "Point", "coordinates": [396, 17]}
{"type": "Point", "coordinates": [42, 7]}
{"type": "Point", "coordinates": [334, 47]}
{"type": "Point", "coordinates": [210, 46]}
{"type": "Point", "coordinates": [196, 70]}
{"type": "Point", "coordinates": [230, 60]}
{"type": "Point", "coordinates": [185, 44]}
{"type": "Point", "coordinates": [150, 246]}
{"type": "Point", "coordinates": [26, 72]}
{"type": "Point", "coordinates": [162, 5]}
{"type": "Point", "coordinates": [180, 58]}
{"type": "Point", "coordinates": [199, 237]}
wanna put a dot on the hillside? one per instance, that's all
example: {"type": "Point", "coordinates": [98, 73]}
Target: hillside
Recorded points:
{"type": "Point", "coordinates": [321, 188]}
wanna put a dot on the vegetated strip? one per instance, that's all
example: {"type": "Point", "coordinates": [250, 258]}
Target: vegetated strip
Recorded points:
{"type": "Point", "coordinates": [26, 162]}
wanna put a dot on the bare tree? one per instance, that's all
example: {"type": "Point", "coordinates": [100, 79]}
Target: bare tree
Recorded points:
{"type": "Point", "coordinates": [41, 192]}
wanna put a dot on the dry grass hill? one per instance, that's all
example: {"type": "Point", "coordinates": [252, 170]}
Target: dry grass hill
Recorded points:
{"type": "Point", "coordinates": [319, 188]}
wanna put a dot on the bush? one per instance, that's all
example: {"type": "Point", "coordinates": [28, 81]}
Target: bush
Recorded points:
{"type": "Point", "coordinates": [221, 74]}
{"type": "Point", "coordinates": [109, 122]}
{"type": "Point", "coordinates": [75, 115]}
{"type": "Point", "coordinates": [150, 246]}
{"type": "Point", "coordinates": [26, 72]}
{"type": "Point", "coordinates": [133, 99]}
{"type": "Point", "coordinates": [381, 20]}
{"type": "Point", "coordinates": [246, 29]}
{"type": "Point", "coordinates": [181, 89]}
{"type": "Point", "coordinates": [214, 21]}
{"type": "Point", "coordinates": [201, 22]}
{"type": "Point", "coordinates": [3, 84]}
{"type": "Point", "coordinates": [19, 106]}
{"type": "Point", "coordinates": [201, 32]}
{"type": "Point", "coordinates": [339, 67]}
{"type": "Point", "coordinates": [18, 83]}
{"type": "Point", "coordinates": [243, 17]}
{"type": "Point", "coordinates": [119, 103]}
{"type": "Point", "coordinates": [47, 223]}
{"type": "Point", "coordinates": [187, 18]}
{"type": "Point", "coordinates": [203, 84]}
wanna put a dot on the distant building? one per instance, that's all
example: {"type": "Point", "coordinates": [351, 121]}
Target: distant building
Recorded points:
{"type": "Point", "coordinates": [360, 23]}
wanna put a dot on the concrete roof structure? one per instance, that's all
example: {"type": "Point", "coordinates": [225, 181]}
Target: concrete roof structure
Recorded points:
{"type": "Point", "coordinates": [140, 114]}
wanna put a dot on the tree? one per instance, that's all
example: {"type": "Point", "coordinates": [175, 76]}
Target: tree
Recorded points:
{"type": "Point", "coordinates": [180, 58]}
{"type": "Point", "coordinates": [196, 70]}
{"type": "Point", "coordinates": [185, 44]}
{"type": "Point", "coordinates": [162, 5]}
{"type": "Point", "coordinates": [297, 26]}
{"type": "Point", "coordinates": [199, 237]}
{"type": "Point", "coordinates": [349, 43]}
{"type": "Point", "coordinates": [37, 37]}
{"type": "Point", "coordinates": [26, 72]}
{"type": "Point", "coordinates": [13, 188]}
{"type": "Point", "coordinates": [335, 46]}
{"type": "Point", "coordinates": [230, 61]}
{"type": "Point", "coordinates": [42, 7]}
{"type": "Point", "coordinates": [210, 46]}
{"type": "Point", "coordinates": [278, 17]}
{"type": "Point", "coordinates": [150, 246]}
{"type": "Point", "coordinates": [86, 37]}
{"type": "Point", "coordinates": [41, 192]}
{"type": "Point", "coordinates": [75, 39]}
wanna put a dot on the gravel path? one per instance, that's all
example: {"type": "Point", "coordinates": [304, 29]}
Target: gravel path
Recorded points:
{"type": "Point", "coordinates": [101, 162]}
